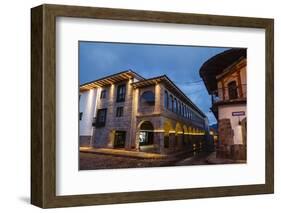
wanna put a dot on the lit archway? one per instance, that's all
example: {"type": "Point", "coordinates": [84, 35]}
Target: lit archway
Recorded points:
{"type": "Point", "coordinates": [179, 134]}
{"type": "Point", "coordinates": [146, 133]}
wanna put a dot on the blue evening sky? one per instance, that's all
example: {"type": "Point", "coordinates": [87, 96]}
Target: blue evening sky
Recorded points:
{"type": "Point", "coordinates": [180, 63]}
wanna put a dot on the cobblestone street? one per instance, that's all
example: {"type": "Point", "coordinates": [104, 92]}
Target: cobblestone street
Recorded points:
{"type": "Point", "coordinates": [90, 161]}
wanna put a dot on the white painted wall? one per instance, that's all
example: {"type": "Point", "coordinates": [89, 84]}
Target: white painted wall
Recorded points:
{"type": "Point", "coordinates": [88, 106]}
{"type": "Point", "coordinates": [226, 112]}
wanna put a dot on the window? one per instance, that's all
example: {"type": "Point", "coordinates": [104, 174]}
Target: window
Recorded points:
{"type": "Point", "coordinates": [80, 115]}
{"type": "Point", "coordinates": [171, 103]}
{"type": "Point", "coordinates": [119, 111]}
{"type": "Point", "coordinates": [232, 90]}
{"type": "Point", "coordinates": [166, 100]}
{"type": "Point", "coordinates": [101, 118]}
{"type": "Point", "coordinates": [103, 94]}
{"type": "Point", "coordinates": [121, 92]}
{"type": "Point", "coordinates": [179, 108]}
{"type": "Point", "coordinates": [176, 105]}
{"type": "Point", "coordinates": [119, 139]}
{"type": "Point", "coordinates": [148, 97]}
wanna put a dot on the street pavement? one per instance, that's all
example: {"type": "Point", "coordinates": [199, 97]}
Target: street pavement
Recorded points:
{"type": "Point", "coordinates": [90, 161]}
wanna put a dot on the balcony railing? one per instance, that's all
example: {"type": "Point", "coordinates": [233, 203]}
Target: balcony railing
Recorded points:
{"type": "Point", "coordinates": [229, 94]}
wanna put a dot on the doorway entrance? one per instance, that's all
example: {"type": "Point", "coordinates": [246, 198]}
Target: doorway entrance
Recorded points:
{"type": "Point", "coordinates": [146, 136]}
{"type": "Point", "coordinates": [119, 139]}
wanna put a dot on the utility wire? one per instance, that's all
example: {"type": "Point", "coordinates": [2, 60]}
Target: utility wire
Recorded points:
{"type": "Point", "coordinates": [190, 82]}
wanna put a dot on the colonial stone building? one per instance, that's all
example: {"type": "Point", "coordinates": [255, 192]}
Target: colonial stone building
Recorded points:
{"type": "Point", "coordinates": [127, 111]}
{"type": "Point", "coordinates": [225, 78]}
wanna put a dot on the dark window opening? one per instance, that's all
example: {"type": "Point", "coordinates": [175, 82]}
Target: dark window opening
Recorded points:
{"type": "Point", "coordinates": [166, 100]}
{"type": "Point", "coordinates": [103, 94]}
{"type": "Point", "coordinates": [119, 111]}
{"type": "Point", "coordinates": [232, 90]}
{"type": "Point", "coordinates": [121, 93]}
{"type": "Point", "coordinates": [176, 105]}
{"type": "Point", "coordinates": [171, 103]}
{"type": "Point", "coordinates": [166, 141]}
{"type": "Point", "coordinates": [119, 139]}
{"type": "Point", "coordinates": [101, 118]}
{"type": "Point", "coordinates": [80, 115]}
{"type": "Point", "coordinates": [148, 97]}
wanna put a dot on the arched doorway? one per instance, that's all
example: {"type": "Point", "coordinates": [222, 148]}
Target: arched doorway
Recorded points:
{"type": "Point", "coordinates": [146, 136]}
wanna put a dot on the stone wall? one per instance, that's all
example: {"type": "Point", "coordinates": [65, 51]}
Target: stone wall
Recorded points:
{"type": "Point", "coordinates": [104, 136]}
{"type": "Point", "coordinates": [225, 132]}
{"type": "Point", "coordinates": [183, 134]}
{"type": "Point", "coordinates": [84, 141]}
{"type": "Point", "coordinates": [227, 148]}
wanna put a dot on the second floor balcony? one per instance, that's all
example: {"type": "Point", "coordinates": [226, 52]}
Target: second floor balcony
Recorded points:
{"type": "Point", "coordinates": [229, 94]}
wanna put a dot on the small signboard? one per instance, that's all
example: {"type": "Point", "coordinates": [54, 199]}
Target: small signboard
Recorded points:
{"type": "Point", "coordinates": [239, 113]}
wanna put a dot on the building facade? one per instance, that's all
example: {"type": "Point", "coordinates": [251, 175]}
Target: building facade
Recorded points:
{"type": "Point", "coordinates": [225, 77]}
{"type": "Point", "coordinates": [126, 111]}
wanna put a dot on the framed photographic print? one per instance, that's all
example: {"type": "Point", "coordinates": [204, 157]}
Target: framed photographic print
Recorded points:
{"type": "Point", "coordinates": [137, 106]}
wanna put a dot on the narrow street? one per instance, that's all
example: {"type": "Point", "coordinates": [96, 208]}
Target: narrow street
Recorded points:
{"type": "Point", "coordinates": [196, 159]}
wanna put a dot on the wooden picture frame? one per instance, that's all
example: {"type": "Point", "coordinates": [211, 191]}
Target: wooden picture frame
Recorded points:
{"type": "Point", "coordinates": [43, 105]}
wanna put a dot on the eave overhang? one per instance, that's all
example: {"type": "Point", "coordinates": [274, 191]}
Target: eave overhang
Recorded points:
{"type": "Point", "coordinates": [218, 64]}
{"type": "Point", "coordinates": [111, 79]}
